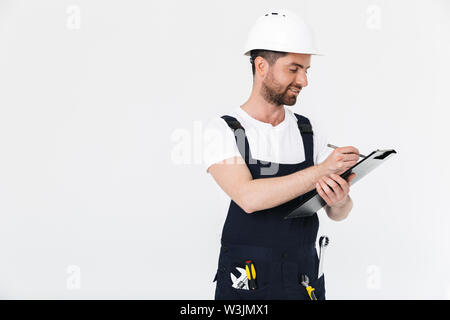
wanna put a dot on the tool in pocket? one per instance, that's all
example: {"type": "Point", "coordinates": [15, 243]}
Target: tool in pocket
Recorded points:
{"type": "Point", "coordinates": [309, 289]}
{"type": "Point", "coordinates": [240, 282]}
{"type": "Point", "coordinates": [251, 274]}
{"type": "Point", "coordinates": [323, 243]}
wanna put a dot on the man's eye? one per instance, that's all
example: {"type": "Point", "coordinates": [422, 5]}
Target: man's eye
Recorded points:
{"type": "Point", "coordinates": [293, 70]}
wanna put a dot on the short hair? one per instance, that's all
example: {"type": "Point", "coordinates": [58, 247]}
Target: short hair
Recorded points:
{"type": "Point", "coordinates": [270, 56]}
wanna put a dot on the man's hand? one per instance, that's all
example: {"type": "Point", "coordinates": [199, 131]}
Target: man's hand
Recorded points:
{"type": "Point", "coordinates": [334, 189]}
{"type": "Point", "coordinates": [340, 160]}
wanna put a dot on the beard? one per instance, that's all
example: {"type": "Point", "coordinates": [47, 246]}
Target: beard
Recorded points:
{"type": "Point", "coordinates": [274, 93]}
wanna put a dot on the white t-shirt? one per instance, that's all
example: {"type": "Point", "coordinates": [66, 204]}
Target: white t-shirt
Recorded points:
{"type": "Point", "coordinates": [280, 144]}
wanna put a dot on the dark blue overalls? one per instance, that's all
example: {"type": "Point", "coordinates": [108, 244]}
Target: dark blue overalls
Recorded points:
{"type": "Point", "coordinates": [280, 249]}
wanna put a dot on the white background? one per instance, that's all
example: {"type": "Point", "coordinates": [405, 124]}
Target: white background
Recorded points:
{"type": "Point", "coordinates": [97, 98]}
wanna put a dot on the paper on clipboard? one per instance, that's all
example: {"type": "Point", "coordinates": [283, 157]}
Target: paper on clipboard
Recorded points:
{"type": "Point", "coordinates": [312, 201]}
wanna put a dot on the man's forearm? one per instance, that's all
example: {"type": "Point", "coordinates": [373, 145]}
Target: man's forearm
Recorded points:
{"type": "Point", "coordinates": [267, 193]}
{"type": "Point", "coordinates": [338, 213]}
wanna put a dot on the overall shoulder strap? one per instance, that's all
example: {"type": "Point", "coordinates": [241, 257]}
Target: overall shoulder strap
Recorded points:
{"type": "Point", "coordinates": [239, 134]}
{"type": "Point", "coordinates": [304, 125]}
{"type": "Point", "coordinates": [232, 122]}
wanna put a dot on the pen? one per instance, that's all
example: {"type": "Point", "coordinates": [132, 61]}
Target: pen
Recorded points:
{"type": "Point", "coordinates": [334, 147]}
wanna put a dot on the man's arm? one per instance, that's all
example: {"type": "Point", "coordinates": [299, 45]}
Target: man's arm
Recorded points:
{"type": "Point", "coordinates": [259, 194]}
{"type": "Point", "coordinates": [253, 195]}
{"type": "Point", "coordinates": [339, 212]}
{"type": "Point", "coordinates": [335, 191]}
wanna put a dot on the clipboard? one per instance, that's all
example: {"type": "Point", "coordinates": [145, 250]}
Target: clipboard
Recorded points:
{"type": "Point", "coordinates": [312, 201]}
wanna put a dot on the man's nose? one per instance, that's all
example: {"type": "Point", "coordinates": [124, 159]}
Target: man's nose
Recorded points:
{"type": "Point", "coordinates": [302, 80]}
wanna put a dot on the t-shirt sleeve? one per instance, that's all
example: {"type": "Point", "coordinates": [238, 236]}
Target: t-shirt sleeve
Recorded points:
{"type": "Point", "coordinates": [321, 151]}
{"type": "Point", "coordinates": [219, 143]}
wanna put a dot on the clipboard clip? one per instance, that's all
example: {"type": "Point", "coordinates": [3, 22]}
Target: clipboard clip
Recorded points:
{"type": "Point", "coordinates": [385, 154]}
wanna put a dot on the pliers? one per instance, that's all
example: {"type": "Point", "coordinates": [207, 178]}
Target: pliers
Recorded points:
{"type": "Point", "coordinates": [309, 289]}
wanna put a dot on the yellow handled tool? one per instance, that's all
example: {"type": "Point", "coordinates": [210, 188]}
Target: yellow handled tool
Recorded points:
{"type": "Point", "coordinates": [251, 274]}
{"type": "Point", "coordinates": [311, 294]}
{"type": "Point", "coordinates": [309, 289]}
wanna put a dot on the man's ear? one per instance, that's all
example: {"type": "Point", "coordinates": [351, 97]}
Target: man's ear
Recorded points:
{"type": "Point", "coordinates": [261, 65]}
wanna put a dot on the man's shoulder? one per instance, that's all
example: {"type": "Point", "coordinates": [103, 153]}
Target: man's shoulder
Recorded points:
{"type": "Point", "coordinates": [297, 116]}
{"type": "Point", "coordinates": [223, 120]}
{"type": "Point", "coordinates": [219, 121]}
{"type": "Point", "coordinates": [219, 117]}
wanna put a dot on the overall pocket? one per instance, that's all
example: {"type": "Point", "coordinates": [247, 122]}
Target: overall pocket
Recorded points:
{"type": "Point", "coordinates": [309, 267]}
{"type": "Point", "coordinates": [319, 288]}
{"type": "Point", "coordinates": [256, 294]}
{"type": "Point", "coordinates": [224, 281]}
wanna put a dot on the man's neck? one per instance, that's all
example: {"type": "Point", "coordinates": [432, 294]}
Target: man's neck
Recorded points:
{"type": "Point", "coordinates": [264, 112]}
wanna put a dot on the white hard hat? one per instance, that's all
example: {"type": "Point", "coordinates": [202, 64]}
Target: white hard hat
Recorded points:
{"type": "Point", "coordinates": [281, 30]}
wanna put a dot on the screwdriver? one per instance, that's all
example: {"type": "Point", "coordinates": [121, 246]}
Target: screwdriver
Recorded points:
{"type": "Point", "coordinates": [251, 274]}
